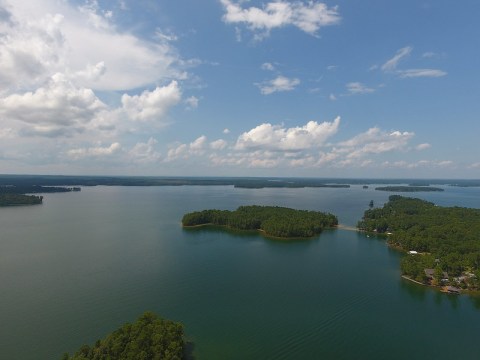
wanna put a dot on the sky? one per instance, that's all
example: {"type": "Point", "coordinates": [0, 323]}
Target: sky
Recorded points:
{"type": "Point", "coordinates": [372, 88]}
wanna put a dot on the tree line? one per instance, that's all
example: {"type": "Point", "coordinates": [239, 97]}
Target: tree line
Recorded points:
{"type": "Point", "coordinates": [449, 237]}
{"type": "Point", "coordinates": [273, 220]}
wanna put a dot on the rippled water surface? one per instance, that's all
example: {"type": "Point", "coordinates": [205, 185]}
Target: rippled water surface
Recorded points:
{"type": "Point", "coordinates": [82, 264]}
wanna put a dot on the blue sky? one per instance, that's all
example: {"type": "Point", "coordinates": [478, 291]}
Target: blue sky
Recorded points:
{"type": "Point", "coordinates": [369, 88]}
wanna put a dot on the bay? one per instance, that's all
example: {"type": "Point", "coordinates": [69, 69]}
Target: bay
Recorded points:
{"type": "Point", "coordinates": [82, 264]}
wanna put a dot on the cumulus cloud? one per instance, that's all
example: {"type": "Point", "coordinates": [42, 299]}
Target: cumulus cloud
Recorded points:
{"type": "Point", "coordinates": [191, 102]}
{"type": "Point", "coordinates": [184, 151]}
{"type": "Point", "coordinates": [308, 146]}
{"type": "Point", "coordinates": [358, 88]}
{"type": "Point", "coordinates": [276, 137]}
{"type": "Point", "coordinates": [423, 146]}
{"type": "Point", "coordinates": [198, 144]}
{"type": "Point", "coordinates": [307, 16]}
{"type": "Point", "coordinates": [93, 152]}
{"type": "Point", "coordinates": [56, 56]}
{"type": "Point", "coordinates": [151, 105]}
{"type": "Point", "coordinates": [279, 84]}
{"type": "Point", "coordinates": [57, 108]}
{"type": "Point", "coordinates": [375, 141]}
{"type": "Point", "coordinates": [77, 41]}
{"type": "Point", "coordinates": [219, 144]}
{"type": "Point", "coordinates": [145, 152]}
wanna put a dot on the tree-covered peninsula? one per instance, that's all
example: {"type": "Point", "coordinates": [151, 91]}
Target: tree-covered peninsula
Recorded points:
{"type": "Point", "coordinates": [272, 220]}
{"type": "Point", "coordinates": [443, 242]}
{"type": "Point", "coordinates": [19, 199]}
{"type": "Point", "coordinates": [149, 338]}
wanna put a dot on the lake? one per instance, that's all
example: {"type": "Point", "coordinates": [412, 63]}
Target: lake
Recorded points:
{"type": "Point", "coordinates": [82, 264]}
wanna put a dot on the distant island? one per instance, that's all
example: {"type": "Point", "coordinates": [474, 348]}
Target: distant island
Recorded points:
{"type": "Point", "coordinates": [149, 338]}
{"type": "Point", "coordinates": [274, 221]}
{"type": "Point", "coordinates": [408, 188]}
{"type": "Point", "coordinates": [19, 199]}
{"type": "Point", "coordinates": [15, 195]}
{"type": "Point", "coordinates": [34, 189]}
{"type": "Point", "coordinates": [443, 243]}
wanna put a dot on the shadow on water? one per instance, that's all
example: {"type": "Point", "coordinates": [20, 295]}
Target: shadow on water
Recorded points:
{"type": "Point", "coordinates": [189, 350]}
{"type": "Point", "coordinates": [215, 229]}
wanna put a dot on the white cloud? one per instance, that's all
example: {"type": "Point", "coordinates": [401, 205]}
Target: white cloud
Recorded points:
{"type": "Point", "coordinates": [93, 152]}
{"type": "Point", "coordinates": [7, 133]}
{"type": "Point", "coordinates": [268, 66]}
{"type": "Point", "coordinates": [430, 164]}
{"type": "Point", "coordinates": [167, 36]}
{"type": "Point", "coordinates": [58, 108]}
{"type": "Point", "coordinates": [276, 137]}
{"type": "Point", "coordinates": [358, 88]}
{"type": "Point", "coordinates": [332, 97]}
{"type": "Point", "coordinates": [219, 144]}
{"type": "Point", "coordinates": [375, 141]}
{"type": "Point", "coordinates": [429, 54]}
{"type": "Point", "coordinates": [36, 44]}
{"type": "Point", "coordinates": [279, 84]}
{"type": "Point", "coordinates": [423, 146]}
{"type": "Point", "coordinates": [475, 165]}
{"type": "Point", "coordinates": [198, 144]}
{"type": "Point", "coordinates": [177, 152]}
{"type": "Point", "coordinates": [413, 73]}
{"type": "Point", "coordinates": [192, 102]}
{"type": "Point", "coordinates": [391, 64]}
{"type": "Point", "coordinates": [152, 105]}
{"type": "Point", "coordinates": [307, 16]}
{"type": "Point", "coordinates": [30, 51]}
{"type": "Point", "coordinates": [445, 163]}
{"type": "Point", "coordinates": [145, 152]}
{"type": "Point", "coordinates": [226, 131]}
{"type": "Point", "coordinates": [303, 147]}
{"type": "Point", "coordinates": [184, 151]}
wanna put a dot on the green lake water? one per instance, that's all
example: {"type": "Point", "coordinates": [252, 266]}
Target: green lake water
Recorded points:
{"type": "Point", "coordinates": [82, 264]}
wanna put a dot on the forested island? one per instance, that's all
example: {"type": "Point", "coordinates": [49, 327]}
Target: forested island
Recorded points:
{"type": "Point", "coordinates": [443, 242]}
{"type": "Point", "coordinates": [19, 199]}
{"type": "Point", "coordinates": [15, 195]}
{"type": "Point", "coordinates": [408, 188]}
{"type": "Point", "coordinates": [34, 189]}
{"type": "Point", "coordinates": [272, 220]}
{"type": "Point", "coordinates": [149, 338]}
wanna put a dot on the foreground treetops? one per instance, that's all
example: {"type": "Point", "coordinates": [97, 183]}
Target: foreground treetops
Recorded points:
{"type": "Point", "coordinates": [272, 220]}
{"type": "Point", "coordinates": [149, 338]}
